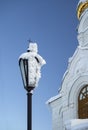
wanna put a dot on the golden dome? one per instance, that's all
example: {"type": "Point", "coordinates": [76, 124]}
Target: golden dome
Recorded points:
{"type": "Point", "coordinates": [83, 4]}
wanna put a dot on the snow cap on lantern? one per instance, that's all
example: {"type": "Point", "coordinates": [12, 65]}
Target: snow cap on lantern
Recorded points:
{"type": "Point", "coordinates": [33, 65]}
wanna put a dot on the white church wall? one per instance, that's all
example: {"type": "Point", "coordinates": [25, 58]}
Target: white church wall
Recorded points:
{"type": "Point", "coordinates": [83, 25]}
{"type": "Point", "coordinates": [83, 30]}
{"type": "Point", "coordinates": [65, 108]}
{"type": "Point", "coordinates": [56, 106]}
{"type": "Point", "coordinates": [77, 124]}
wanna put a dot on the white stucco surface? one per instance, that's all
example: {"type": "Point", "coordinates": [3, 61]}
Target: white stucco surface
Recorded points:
{"type": "Point", "coordinates": [64, 106]}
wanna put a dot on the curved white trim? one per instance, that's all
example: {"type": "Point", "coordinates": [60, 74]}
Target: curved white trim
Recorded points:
{"type": "Point", "coordinates": [79, 83]}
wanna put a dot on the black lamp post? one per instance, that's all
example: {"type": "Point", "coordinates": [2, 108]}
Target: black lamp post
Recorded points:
{"type": "Point", "coordinates": [23, 63]}
{"type": "Point", "coordinates": [30, 64]}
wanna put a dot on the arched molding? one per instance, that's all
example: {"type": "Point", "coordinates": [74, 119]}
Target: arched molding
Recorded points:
{"type": "Point", "coordinates": [79, 83]}
{"type": "Point", "coordinates": [77, 67]}
{"type": "Point", "coordinates": [60, 111]}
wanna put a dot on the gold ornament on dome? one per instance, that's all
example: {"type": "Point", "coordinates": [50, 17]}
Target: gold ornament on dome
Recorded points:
{"type": "Point", "coordinates": [81, 7]}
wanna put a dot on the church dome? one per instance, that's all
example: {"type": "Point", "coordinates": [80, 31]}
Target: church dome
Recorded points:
{"type": "Point", "coordinates": [82, 5]}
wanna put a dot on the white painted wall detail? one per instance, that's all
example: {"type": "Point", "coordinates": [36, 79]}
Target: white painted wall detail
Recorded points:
{"type": "Point", "coordinates": [65, 105]}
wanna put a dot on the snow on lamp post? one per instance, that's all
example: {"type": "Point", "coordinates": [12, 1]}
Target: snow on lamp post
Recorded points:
{"type": "Point", "coordinates": [30, 65]}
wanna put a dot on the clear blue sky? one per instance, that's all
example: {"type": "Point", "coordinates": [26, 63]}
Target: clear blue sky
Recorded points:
{"type": "Point", "coordinates": [50, 23]}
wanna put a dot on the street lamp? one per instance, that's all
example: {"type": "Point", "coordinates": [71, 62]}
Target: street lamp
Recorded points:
{"type": "Point", "coordinates": [30, 65]}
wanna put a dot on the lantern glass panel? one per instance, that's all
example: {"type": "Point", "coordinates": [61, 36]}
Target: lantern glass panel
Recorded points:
{"type": "Point", "coordinates": [24, 71]}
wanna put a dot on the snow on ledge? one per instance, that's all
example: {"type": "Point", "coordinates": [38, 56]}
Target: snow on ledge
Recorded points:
{"type": "Point", "coordinates": [54, 98]}
{"type": "Point", "coordinates": [77, 124]}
